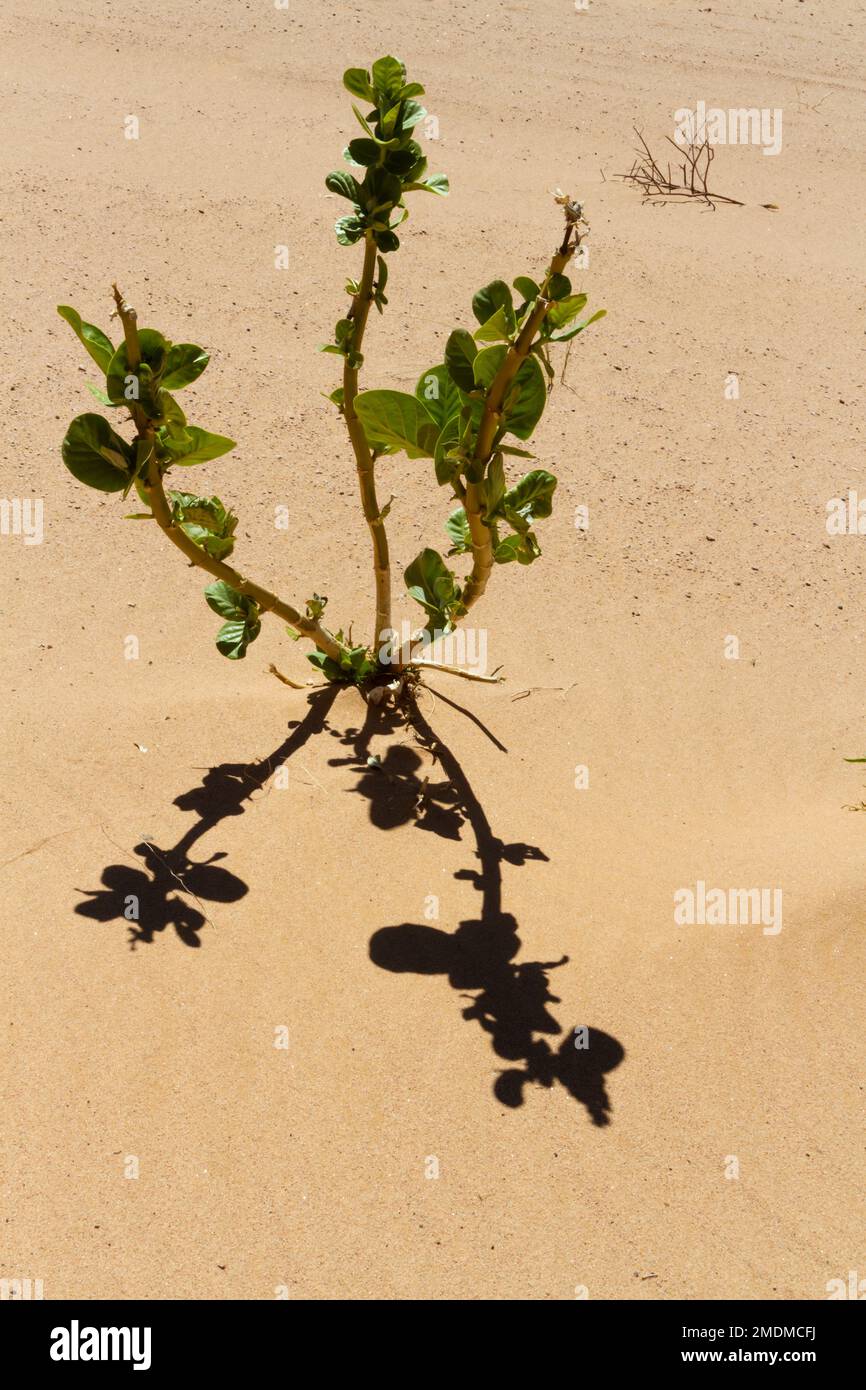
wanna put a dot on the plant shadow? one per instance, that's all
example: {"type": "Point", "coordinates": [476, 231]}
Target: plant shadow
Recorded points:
{"type": "Point", "coordinates": [508, 998]}
{"type": "Point", "coordinates": [160, 895]}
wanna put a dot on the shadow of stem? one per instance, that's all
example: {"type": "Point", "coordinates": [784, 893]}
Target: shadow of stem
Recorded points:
{"type": "Point", "coordinates": [159, 895]}
{"type": "Point", "coordinates": [509, 999]}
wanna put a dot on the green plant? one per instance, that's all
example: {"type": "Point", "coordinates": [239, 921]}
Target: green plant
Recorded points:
{"type": "Point", "coordinates": [464, 417]}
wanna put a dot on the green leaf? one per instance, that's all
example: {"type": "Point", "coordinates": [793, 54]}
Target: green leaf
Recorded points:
{"type": "Point", "coordinates": [529, 501]}
{"type": "Point", "coordinates": [506, 551]}
{"type": "Point", "coordinates": [388, 122]}
{"type": "Point", "coordinates": [328, 667]}
{"type": "Point", "coordinates": [460, 353]}
{"type": "Point", "coordinates": [365, 125]}
{"type": "Point", "coordinates": [395, 418]}
{"type": "Point", "coordinates": [143, 450]}
{"type": "Point", "coordinates": [357, 661]}
{"type": "Point", "coordinates": [242, 615]}
{"type": "Point", "coordinates": [387, 241]}
{"type": "Point", "coordinates": [435, 183]}
{"type": "Point", "coordinates": [235, 636]}
{"type": "Point", "coordinates": [487, 364]}
{"type": "Point", "coordinates": [125, 385]}
{"type": "Point", "coordinates": [437, 389]}
{"type": "Point", "coordinates": [494, 296]}
{"type": "Point", "coordinates": [141, 386]}
{"type": "Point", "coordinates": [524, 405]}
{"type": "Point", "coordinates": [349, 229]}
{"type": "Point", "coordinates": [412, 89]}
{"type": "Point", "coordinates": [172, 413]}
{"type": "Point", "coordinates": [573, 332]}
{"type": "Point", "coordinates": [153, 347]}
{"type": "Point", "coordinates": [529, 549]}
{"type": "Point", "coordinates": [495, 485]}
{"type": "Point", "coordinates": [430, 582]}
{"type": "Point", "coordinates": [381, 282]}
{"type": "Point", "coordinates": [100, 395]}
{"type": "Point", "coordinates": [526, 287]}
{"type": "Point", "coordinates": [206, 521]}
{"type": "Point", "coordinates": [565, 310]}
{"type": "Point", "coordinates": [316, 606]}
{"type": "Point", "coordinates": [457, 527]}
{"type": "Point", "coordinates": [389, 76]}
{"type": "Point", "coordinates": [417, 170]}
{"type": "Point", "coordinates": [353, 667]}
{"type": "Point", "coordinates": [96, 456]}
{"type": "Point", "coordinates": [226, 601]}
{"type": "Point", "coordinates": [527, 397]}
{"type": "Point", "coordinates": [363, 152]}
{"type": "Point", "coordinates": [368, 130]}
{"type": "Point", "coordinates": [184, 363]}
{"type": "Point", "coordinates": [382, 191]}
{"type": "Point", "coordinates": [402, 162]}
{"type": "Point", "coordinates": [344, 184]}
{"type": "Point", "coordinates": [500, 326]}
{"type": "Point", "coordinates": [540, 349]}
{"type": "Point", "coordinates": [197, 446]}
{"type": "Point", "coordinates": [559, 287]}
{"type": "Point", "coordinates": [447, 468]}
{"type": "Point", "coordinates": [357, 81]}
{"type": "Point", "coordinates": [523, 548]}
{"type": "Point", "coordinates": [412, 114]}
{"type": "Point", "coordinates": [94, 340]}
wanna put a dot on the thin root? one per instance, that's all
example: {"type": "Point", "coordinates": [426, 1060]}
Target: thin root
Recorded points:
{"type": "Point", "coordinates": [492, 679]}
{"type": "Point", "coordinates": [295, 685]}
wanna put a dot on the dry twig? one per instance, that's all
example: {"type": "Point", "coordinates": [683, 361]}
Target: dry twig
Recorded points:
{"type": "Point", "coordinates": [687, 180]}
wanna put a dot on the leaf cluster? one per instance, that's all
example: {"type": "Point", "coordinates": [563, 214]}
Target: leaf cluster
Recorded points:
{"type": "Point", "coordinates": [97, 455]}
{"type": "Point", "coordinates": [393, 162]}
{"type": "Point", "coordinates": [441, 421]}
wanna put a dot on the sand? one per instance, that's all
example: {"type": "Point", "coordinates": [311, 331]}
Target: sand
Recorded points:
{"type": "Point", "coordinates": [269, 1086]}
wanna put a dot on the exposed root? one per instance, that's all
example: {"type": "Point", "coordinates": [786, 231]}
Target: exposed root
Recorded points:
{"type": "Point", "coordinates": [492, 679]}
{"type": "Point", "coordinates": [295, 685]}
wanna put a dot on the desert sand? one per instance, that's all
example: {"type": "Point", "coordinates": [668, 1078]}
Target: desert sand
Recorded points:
{"type": "Point", "coordinates": [157, 1142]}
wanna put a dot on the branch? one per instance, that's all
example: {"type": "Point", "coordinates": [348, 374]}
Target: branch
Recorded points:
{"type": "Point", "coordinates": [364, 459]}
{"type": "Point", "coordinates": [266, 601]}
{"type": "Point", "coordinates": [482, 545]}
{"type": "Point", "coordinates": [159, 505]}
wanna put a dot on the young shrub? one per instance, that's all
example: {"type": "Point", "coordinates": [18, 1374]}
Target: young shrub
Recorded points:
{"type": "Point", "coordinates": [468, 416]}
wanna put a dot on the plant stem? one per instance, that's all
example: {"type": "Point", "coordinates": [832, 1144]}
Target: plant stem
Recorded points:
{"type": "Point", "coordinates": [267, 602]}
{"type": "Point", "coordinates": [364, 459]}
{"type": "Point", "coordinates": [482, 547]}
{"type": "Point", "coordinates": [129, 320]}
{"type": "Point", "coordinates": [161, 508]}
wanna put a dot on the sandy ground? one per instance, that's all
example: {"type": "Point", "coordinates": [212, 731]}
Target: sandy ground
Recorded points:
{"type": "Point", "coordinates": [311, 1168]}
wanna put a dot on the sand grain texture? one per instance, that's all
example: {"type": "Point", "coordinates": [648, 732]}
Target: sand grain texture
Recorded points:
{"type": "Point", "coordinates": [305, 1167]}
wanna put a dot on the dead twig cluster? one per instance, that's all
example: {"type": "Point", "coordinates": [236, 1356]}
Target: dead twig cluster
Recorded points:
{"type": "Point", "coordinates": [688, 179]}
